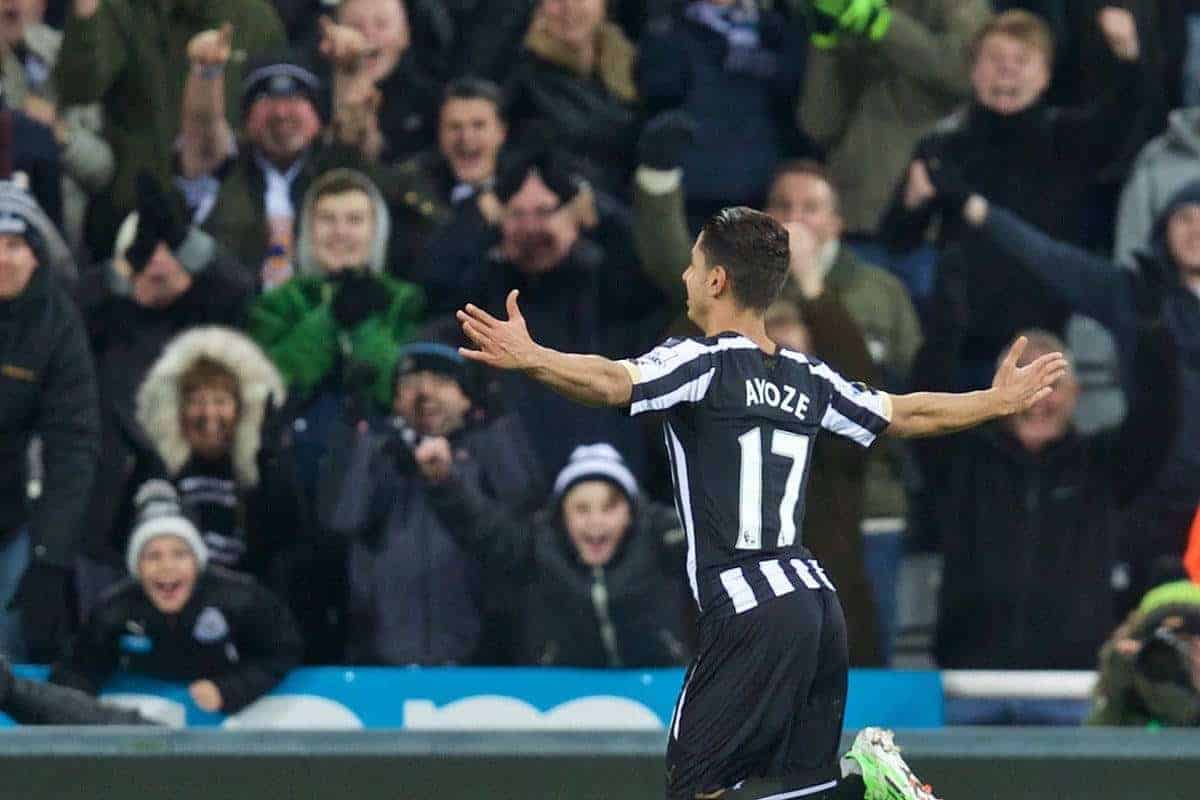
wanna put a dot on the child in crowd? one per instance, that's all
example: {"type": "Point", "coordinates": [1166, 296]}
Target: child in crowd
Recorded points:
{"type": "Point", "coordinates": [177, 618]}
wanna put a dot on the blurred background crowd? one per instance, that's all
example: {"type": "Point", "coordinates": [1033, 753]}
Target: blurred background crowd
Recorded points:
{"type": "Point", "coordinates": [236, 434]}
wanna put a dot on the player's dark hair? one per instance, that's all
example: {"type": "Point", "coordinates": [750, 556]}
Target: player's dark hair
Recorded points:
{"type": "Point", "coordinates": [469, 88]}
{"type": "Point", "coordinates": [753, 249]}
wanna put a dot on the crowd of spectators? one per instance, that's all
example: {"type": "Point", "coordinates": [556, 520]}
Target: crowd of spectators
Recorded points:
{"type": "Point", "coordinates": [236, 433]}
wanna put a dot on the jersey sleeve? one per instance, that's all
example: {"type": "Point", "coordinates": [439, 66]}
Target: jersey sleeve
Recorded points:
{"type": "Point", "coordinates": [855, 410]}
{"type": "Point", "coordinates": [677, 371]}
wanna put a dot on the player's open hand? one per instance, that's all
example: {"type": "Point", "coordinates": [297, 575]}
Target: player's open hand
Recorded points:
{"type": "Point", "coordinates": [502, 344]}
{"type": "Point", "coordinates": [1019, 388]}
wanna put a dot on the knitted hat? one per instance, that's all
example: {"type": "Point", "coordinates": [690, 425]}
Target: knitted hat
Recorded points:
{"type": "Point", "coordinates": [17, 209]}
{"type": "Point", "coordinates": [595, 462]}
{"type": "Point", "coordinates": [13, 223]}
{"type": "Point", "coordinates": [1187, 195]}
{"type": "Point", "coordinates": [438, 358]}
{"type": "Point", "coordinates": [281, 75]}
{"type": "Point", "coordinates": [41, 234]}
{"type": "Point", "coordinates": [159, 514]}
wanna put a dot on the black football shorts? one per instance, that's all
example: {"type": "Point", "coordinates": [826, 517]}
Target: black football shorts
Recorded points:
{"type": "Point", "coordinates": [763, 699]}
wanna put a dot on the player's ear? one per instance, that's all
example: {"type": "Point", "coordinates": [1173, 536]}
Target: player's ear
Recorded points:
{"type": "Point", "coordinates": [718, 280]}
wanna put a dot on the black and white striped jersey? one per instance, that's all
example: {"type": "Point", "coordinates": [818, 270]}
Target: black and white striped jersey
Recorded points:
{"type": "Point", "coordinates": [739, 429]}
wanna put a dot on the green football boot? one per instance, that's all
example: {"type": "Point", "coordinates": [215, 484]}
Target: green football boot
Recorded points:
{"type": "Point", "coordinates": [875, 756]}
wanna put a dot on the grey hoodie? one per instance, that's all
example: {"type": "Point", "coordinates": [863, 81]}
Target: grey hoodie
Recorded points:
{"type": "Point", "coordinates": [1166, 164]}
{"type": "Point", "coordinates": [306, 260]}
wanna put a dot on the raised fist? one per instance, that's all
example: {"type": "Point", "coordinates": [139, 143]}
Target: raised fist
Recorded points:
{"type": "Point", "coordinates": [211, 48]}
{"type": "Point", "coordinates": [434, 458]}
{"type": "Point", "coordinates": [342, 45]}
{"type": "Point", "coordinates": [802, 261]}
{"type": "Point", "coordinates": [918, 189]}
{"type": "Point", "coordinates": [1120, 32]}
{"type": "Point", "coordinates": [86, 9]}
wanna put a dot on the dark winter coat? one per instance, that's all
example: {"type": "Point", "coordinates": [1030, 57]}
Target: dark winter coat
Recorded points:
{"type": "Point", "coordinates": [834, 506]}
{"type": "Point", "coordinates": [415, 597]}
{"type": "Point", "coordinates": [745, 121]}
{"type": "Point", "coordinates": [127, 339]}
{"type": "Point", "coordinates": [1030, 540]}
{"type": "Point", "coordinates": [247, 504]}
{"type": "Point", "coordinates": [470, 37]}
{"type": "Point", "coordinates": [565, 610]}
{"type": "Point", "coordinates": [232, 632]}
{"type": "Point", "coordinates": [28, 147]}
{"type": "Point", "coordinates": [419, 192]}
{"type": "Point", "coordinates": [409, 104]}
{"type": "Point", "coordinates": [48, 388]}
{"type": "Point", "coordinates": [131, 57]}
{"type": "Point", "coordinates": [252, 529]}
{"type": "Point", "coordinates": [596, 301]}
{"type": "Point", "coordinates": [1121, 300]}
{"type": "Point", "coordinates": [239, 219]}
{"type": "Point", "coordinates": [1040, 162]}
{"type": "Point", "coordinates": [408, 117]}
{"type": "Point", "coordinates": [591, 115]}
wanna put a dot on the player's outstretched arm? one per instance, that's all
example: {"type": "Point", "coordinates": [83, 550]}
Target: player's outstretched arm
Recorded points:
{"type": "Point", "coordinates": [1014, 389]}
{"type": "Point", "coordinates": [506, 344]}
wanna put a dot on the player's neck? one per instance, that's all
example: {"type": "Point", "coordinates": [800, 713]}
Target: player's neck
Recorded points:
{"type": "Point", "coordinates": [746, 322]}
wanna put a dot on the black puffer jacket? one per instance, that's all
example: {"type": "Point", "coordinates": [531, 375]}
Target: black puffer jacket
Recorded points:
{"type": "Point", "coordinates": [1040, 162]}
{"type": "Point", "coordinates": [592, 116]}
{"type": "Point", "coordinates": [1126, 302]}
{"type": "Point", "coordinates": [232, 632]}
{"type": "Point", "coordinates": [1031, 540]}
{"type": "Point", "coordinates": [47, 387]}
{"type": "Point", "coordinates": [629, 613]}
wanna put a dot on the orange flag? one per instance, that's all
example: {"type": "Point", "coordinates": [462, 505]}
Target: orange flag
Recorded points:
{"type": "Point", "coordinates": [1191, 559]}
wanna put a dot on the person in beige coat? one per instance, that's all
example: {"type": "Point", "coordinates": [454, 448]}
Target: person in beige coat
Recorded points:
{"type": "Point", "coordinates": [866, 103]}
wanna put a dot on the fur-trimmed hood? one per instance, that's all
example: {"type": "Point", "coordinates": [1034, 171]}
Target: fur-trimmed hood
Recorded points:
{"type": "Point", "coordinates": [305, 259]}
{"type": "Point", "coordinates": [158, 397]}
{"type": "Point", "coordinates": [615, 57]}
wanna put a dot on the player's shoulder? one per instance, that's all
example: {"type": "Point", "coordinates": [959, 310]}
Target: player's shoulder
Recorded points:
{"type": "Point", "coordinates": [687, 348]}
{"type": "Point", "coordinates": [796, 360]}
{"type": "Point", "coordinates": [808, 367]}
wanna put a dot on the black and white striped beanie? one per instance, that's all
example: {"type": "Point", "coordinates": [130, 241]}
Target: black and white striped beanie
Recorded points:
{"type": "Point", "coordinates": [159, 514]}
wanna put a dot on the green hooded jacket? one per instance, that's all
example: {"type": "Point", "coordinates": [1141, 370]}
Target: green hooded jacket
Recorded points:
{"type": "Point", "coordinates": [294, 322]}
{"type": "Point", "coordinates": [1125, 695]}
